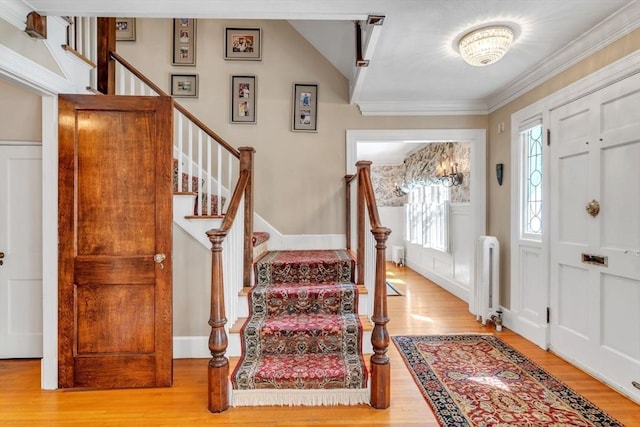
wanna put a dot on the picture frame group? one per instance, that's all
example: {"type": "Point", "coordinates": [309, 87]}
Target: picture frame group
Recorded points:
{"type": "Point", "coordinates": [184, 85]}
{"type": "Point", "coordinates": [184, 41]}
{"type": "Point", "coordinates": [125, 29]}
{"type": "Point", "coordinates": [243, 99]}
{"type": "Point", "coordinates": [243, 44]}
{"type": "Point", "coordinates": [305, 107]}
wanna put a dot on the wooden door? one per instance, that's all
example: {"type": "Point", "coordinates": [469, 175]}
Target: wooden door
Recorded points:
{"type": "Point", "coordinates": [595, 257]}
{"type": "Point", "coordinates": [115, 222]}
{"type": "Point", "coordinates": [20, 251]}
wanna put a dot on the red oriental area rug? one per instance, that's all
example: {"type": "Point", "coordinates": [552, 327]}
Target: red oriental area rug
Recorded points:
{"type": "Point", "coordinates": [478, 380]}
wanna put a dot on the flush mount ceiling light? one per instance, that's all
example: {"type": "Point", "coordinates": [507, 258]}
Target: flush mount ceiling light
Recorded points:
{"type": "Point", "coordinates": [485, 45]}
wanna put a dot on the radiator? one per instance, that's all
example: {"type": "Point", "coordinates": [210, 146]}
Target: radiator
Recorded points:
{"type": "Point", "coordinates": [487, 295]}
{"type": "Point", "coordinates": [397, 255]}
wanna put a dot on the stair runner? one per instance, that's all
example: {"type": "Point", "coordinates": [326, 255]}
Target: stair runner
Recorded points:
{"type": "Point", "coordinates": [302, 341]}
{"type": "Point", "coordinates": [214, 209]}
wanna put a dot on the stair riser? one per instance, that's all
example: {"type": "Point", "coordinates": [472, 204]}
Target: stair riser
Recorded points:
{"type": "Point", "coordinates": [269, 270]}
{"type": "Point", "coordinates": [319, 299]}
{"type": "Point", "coordinates": [235, 347]}
{"type": "Point", "coordinates": [243, 304]}
{"type": "Point", "coordinates": [333, 335]}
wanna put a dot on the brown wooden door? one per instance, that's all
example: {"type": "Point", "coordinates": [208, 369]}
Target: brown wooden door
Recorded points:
{"type": "Point", "coordinates": [115, 215]}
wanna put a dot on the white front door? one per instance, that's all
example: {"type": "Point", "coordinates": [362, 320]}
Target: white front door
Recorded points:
{"type": "Point", "coordinates": [21, 245]}
{"type": "Point", "coordinates": [595, 258]}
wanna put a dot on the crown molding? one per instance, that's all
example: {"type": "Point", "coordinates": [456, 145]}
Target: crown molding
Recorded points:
{"type": "Point", "coordinates": [621, 23]}
{"type": "Point", "coordinates": [394, 108]}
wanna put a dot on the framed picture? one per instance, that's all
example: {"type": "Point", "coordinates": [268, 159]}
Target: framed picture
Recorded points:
{"type": "Point", "coordinates": [305, 107]}
{"type": "Point", "coordinates": [243, 99]}
{"type": "Point", "coordinates": [125, 29]}
{"type": "Point", "coordinates": [243, 44]}
{"type": "Point", "coordinates": [184, 85]}
{"type": "Point", "coordinates": [184, 41]}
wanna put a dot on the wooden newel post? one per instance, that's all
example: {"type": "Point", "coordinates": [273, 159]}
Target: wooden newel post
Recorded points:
{"type": "Point", "coordinates": [380, 367]}
{"type": "Point", "coordinates": [218, 372]}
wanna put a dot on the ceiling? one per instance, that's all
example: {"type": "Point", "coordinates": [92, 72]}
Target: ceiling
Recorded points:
{"type": "Point", "coordinates": [414, 67]}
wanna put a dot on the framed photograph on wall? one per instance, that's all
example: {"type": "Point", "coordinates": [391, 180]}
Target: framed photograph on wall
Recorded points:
{"type": "Point", "coordinates": [184, 85]}
{"type": "Point", "coordinates": [243, 99]}
{"type": "Point", "coordinates": [184, 41]}
{"type": "Point", "coordinates": [305, 107]}
{"type": "Point", "coordinates": [243, 44]}
{"type": "Point", "coordinates": [125, 29]}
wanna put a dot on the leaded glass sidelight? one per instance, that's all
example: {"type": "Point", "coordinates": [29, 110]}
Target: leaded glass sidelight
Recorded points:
{"type": "Point", "coordinates": [532, 181]}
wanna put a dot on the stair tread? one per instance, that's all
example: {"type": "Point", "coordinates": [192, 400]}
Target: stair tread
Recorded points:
{"type": "Point", "coordinates": [204, 216]}
{"type": "Point", "coordinates": [367, 326]}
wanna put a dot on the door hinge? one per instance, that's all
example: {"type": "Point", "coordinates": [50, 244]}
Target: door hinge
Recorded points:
{"type": "Point", "coordinates": [548, 137]}
{"type": "Point", "coordinates": [548, 315]}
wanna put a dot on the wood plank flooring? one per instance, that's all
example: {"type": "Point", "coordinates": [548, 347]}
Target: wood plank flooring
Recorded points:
{"type": "Point", "coordinates": [423, 309]}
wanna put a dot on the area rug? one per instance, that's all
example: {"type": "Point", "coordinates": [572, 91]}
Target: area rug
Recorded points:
{"type": "Point", "coordinates": [478, 380]}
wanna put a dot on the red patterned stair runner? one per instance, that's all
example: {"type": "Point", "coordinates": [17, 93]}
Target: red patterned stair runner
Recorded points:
{"type": "Point", "coordinates": [302, 343]}
{"type": "Point", "coordinates": [214, 209]}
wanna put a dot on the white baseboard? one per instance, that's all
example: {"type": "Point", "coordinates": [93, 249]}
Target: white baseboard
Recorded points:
{"type": "Point", "coordinates": [198, 347]}
{"type": "Point", "coordinates": [445, 283]}
{"type": "Point", "coordinates": [279, 242]}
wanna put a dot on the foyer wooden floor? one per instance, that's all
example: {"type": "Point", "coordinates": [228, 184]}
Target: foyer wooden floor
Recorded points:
{"type": "Point", "coordinates": [424, 309]}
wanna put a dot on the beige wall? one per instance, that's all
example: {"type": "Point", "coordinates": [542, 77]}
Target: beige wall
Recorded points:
{"type": "Point", "coordinates": [299, 176]}
{"type": "Point", "coordinates": [499, 197]}
{"type": "Point", "coordinates": [20, 114]}
{"type": "Point", "coordinates": [28, 47]}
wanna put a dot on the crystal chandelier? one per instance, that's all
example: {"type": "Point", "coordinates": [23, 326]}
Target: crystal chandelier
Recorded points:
{"type": "Point", "coordinates": [486, 45]}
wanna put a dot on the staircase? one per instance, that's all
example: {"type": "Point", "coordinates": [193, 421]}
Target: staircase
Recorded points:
{"type": "Point", "coordinates": [302, 343]}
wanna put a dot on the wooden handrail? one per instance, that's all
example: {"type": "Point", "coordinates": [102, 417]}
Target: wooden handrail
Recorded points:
{"type": "Point", "coordinates": [234, 203]}
{"type": "Point", "coordinates": [380, 366]}
{"type": "Point", "coordinates": [133, 70]}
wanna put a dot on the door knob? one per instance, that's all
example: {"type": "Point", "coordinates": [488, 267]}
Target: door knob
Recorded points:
{"type": "Point", "coordinates": [1, 256]}
{"type": "Point", "coordinates": [158, 258]}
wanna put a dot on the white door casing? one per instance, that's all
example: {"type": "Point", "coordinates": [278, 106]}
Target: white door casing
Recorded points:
{"type": "Point", "coordinates": [21, 243]}
{"type": "Point", "coordinates": [594, 265]}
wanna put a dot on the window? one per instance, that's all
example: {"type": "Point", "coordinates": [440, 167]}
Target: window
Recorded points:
{"type": "Point", "coordinates": [532, 175]}
{"type": "Point", "coordinates": [428, 216]}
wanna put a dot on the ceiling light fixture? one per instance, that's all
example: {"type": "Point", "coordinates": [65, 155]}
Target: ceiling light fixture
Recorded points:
{"type": "Point", "coordinates": [485, 45]}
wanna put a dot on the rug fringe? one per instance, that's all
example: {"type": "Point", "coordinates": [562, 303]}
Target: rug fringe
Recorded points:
{"type": "Point", "coordinates": [293, 397]}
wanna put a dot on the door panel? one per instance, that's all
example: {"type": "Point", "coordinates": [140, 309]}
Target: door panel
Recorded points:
{"type": "Point", "coordinates": [21, 244]}
{"type": "Point", "coordinates": [595, 306]}
{"type": "Point", "coordinates": [574, 190]}
{"type": "Point", "coordinates": [115, 215]}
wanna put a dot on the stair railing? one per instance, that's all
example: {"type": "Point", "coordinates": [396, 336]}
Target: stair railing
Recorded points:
{"type": "Point", "coordinates": [372, 248]}
{"type": "Point", "coordinates": [218, 369]}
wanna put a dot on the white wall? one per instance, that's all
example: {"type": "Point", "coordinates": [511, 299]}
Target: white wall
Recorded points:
{"type": "Point", "coordinates": [453, 270]}
{"type": "Point", "coordinates": [392, 217]}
